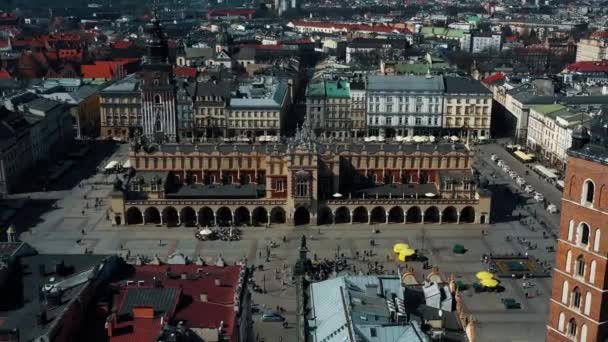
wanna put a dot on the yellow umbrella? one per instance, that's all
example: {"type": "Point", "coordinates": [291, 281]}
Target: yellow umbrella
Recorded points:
{"type": "Point", "coordinates": [408, 252]}
{"type": "Point", "coordinates": [484, 275]}
{"type": "Point", "coordinates": [399, 247]}
{"type": "Point", "coordinates": [489, 282]}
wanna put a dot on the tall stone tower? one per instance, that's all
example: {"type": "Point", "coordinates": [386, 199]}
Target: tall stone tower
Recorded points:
{"type": "Point", "coordinates": [158, 89]}
{"type": "Point", "coordinates": [580, 278]}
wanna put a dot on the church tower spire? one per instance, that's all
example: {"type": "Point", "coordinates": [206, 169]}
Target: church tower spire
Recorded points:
{"type": "Point", "coordinates": [158, 89]}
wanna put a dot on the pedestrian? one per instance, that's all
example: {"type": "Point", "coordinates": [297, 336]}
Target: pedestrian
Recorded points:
{"type": "Point", "coordinates": [83, 232]}
{"type": "Point", "coordinates": [160, 242]}
{"type": "Point", "coordinates": [83, 213]}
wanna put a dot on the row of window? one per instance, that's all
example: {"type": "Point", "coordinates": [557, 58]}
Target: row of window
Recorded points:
{"type": "Point", "coordinates": [583, 235]}
{"type": "Point", "coordinates": [400, 120]}
{"type": "Point", "coordinates": [406, 99]}
{"type": "Point", "coordinates": [580, 268]}
{"type": "Point", "coordinates": [572, 329]}
{"type": "Point", "coordinates": [418, 108]}
{"type": "Point", "coordinates": [117, 100]}
{"type": "Point", "coordinates": [468, 110]}
{"type": "Point", "coordinates": [252, 124]}
{"type": "Point", "coordinates": [472, 122]}
{"type": "Point", "coordinates": [574, 299]}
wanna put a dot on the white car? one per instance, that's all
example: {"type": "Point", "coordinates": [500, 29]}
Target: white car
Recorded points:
{"type": "Point", "coordinates": [501, 162]}
{"type": "Point", "coordinates": [521, 181]}
{"type": "Point", "coordinates": [529, 189]}
{"type": "Point", "coordinates": [506, 168]}
{"type": "Point", "coordinates": [494, 157]}
{"type": "Point", "coordinates": [539, 197]}
{"type": "Point", "coordinates": [513, 174]}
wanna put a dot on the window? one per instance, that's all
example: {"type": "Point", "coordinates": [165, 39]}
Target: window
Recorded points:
{"type": "Point", "coordinates": [587, 303]}
{"type": "Point", "coordinates": [568, 261]}
{"type": "Point", "coordinates": [279, 185]}
{"type": "Point", "coordinates": [588, 192]}
{"type": "Point", "coordinates": [575, 302]}
{"type": "Point", "coordinates": [580, 266]}
{"type": "Point", "coordinates": [156, 82]}
{"type": "Point", "coordinates": [389, 121]}
{"type": "Point", "coordinates": [158, 126]}
{"type": "Point", "coordinates": [572, 328]}
{"type": "Point", "coordinates": [571, 230]}
{"type": "Point", "coordinates": [565, 292]}
{"type": "Point", "coordinates": [157, 99]}
{"type": "Point", "coordinates": [562, 322]}
{"type": "Point", "coordinates": [583, 231]}
{"type": "Point", "coordinates": [372, 332]}
{"type": "Point", "coordinates": [389, 108]}
{"type": "Point", "coordinates": [302, 187]}
{"type": "Point", "coordinates": [418, 121]}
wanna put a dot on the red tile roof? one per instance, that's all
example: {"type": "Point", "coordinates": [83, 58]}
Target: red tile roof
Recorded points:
{"type": "Point", "coordinates": [190, 309]}
{"type": "Point", "coordinates": [185, 72]}
{"type": "Point", "coordinates": [499, 76]}
{"type": "Point", "coordinates": [601, 66]}
{"type": "Point", "coordinates": [351, 27]}
{"type": "Point", "coordinates": [106, 69]}
{"type": "Point", "coordinates": [600, 34]}
{"type": "Point", "coordinates": [122, 45]}
{"type": "Point", "coordinates": [4, 75]}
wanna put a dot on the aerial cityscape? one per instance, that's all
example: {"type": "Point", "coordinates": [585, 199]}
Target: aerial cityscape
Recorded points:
{"type": "Point", "coordinates": [303, 171]}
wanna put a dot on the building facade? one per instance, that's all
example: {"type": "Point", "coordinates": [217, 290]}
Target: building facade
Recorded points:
{"type": "Point", "coordinates": [467, 108]}
{"type": "Point", "coordinates": [358, 108]}
{"type": "Point", "coordinates": [594, 48]}
{"type": "Point", "coordinates": [577, 311]}
{"type": "Point", "coordinates": [477, 42]}
{"type": "Point", "coordinates": [404, 105]}
{"type": "Point", "coordinates": [329, 108]}
{"type": "Point", "coordinates": [295, 183]}
{"type": "Point", "coordinates": [120, 109]}
{"type": "Point", "coordinates": [259, 108]}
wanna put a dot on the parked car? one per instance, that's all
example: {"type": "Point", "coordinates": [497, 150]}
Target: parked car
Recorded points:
{"type": "Point", "coordinates": [506, 168]}
{"type": "Point", "coordinates": [521, 181]}
{"type": "Point", "coordinates": [529, 189]}
{"type": "Point", "coordinates": [501, 162]}
{"type": "Point", "coordinates": [272, 317]}
{"type": "Point", "coordinates": [513, 174]}
{"type": "Point", "coordinates": [494, 158]}
{"type": "Point", "coordinates": [539, 197]}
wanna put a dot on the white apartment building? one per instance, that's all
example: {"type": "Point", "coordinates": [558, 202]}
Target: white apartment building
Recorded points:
{"type": "Point", "coordinates": [550, 131]}
{"type": "Point", "coordinates": [404, 105]}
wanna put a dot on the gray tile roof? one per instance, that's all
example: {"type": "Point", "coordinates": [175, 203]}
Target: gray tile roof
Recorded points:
{"type": "Point", "coordinates": [163, 300]}
{"type": "Point", "coordinates": [406, 83]}
{"type": "Point", "coordinates": [219, 191]}
{"type": "Point", "coordinates": [464, 85]}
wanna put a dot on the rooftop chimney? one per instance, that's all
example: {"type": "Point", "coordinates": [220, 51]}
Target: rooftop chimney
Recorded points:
{"type": "Point", "coordinates": [184, 276]}
{"type": "Point", "coordinates": [218, 282]}
{"type": "Point", "coordinates": [204, 297]}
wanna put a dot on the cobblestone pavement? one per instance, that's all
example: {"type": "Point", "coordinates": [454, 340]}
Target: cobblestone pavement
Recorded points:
{"type": "Point", "coordinates": [58, 227]}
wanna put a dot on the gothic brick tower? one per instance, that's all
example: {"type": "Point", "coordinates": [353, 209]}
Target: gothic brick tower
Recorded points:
{"type": "Point", "coordinates": [580, 282]}
{"type": "Point", "coordinates": [158, 89]}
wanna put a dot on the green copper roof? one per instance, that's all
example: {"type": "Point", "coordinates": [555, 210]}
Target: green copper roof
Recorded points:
{"type": "Point", "coordinates": [548, 108]}
{"type": "Point", "coordinates": [329, 88]}
{"type": "Point", "coordinates": [337, 88]}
